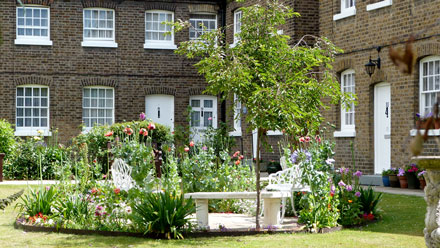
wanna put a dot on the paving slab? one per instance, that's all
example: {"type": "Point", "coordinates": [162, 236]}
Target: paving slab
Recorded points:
{"type": "Point", "coordinates": [399, 191]}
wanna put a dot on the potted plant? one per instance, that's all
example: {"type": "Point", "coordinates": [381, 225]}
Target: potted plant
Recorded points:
{"type": "Point", "coordinates": [402, 179]}
{"type": "Point", "coordinates": [386, 178]}
{"type": "Point", "coordinates": [421, 177]}
{"type": "Point", "coordinates": [411, 176]}
{"type": "Point", "coordinates": [394, 181]}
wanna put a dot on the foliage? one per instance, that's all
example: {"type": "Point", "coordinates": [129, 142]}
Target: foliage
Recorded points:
{"type": "Point", "coordinates": [10, 199]}
{"type": "Point", "coordinates": [219, 139]}
{"type": "Point", "coordinates": [7, 138]}
{"type": "Point", "coordinates": [73, 209]}
{"type": "Point", "coordinates": [164, 214]}
{"type": "Point", "coordinates": [370, 201]}
{"type": "Point", "coordinates": [24, 162]}
{"type": "Point", "coordinates": [160, 135]}
{"type": "Point", "coordinates": [36, 202]}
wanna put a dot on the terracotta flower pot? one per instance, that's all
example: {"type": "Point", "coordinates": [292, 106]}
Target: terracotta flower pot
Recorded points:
{"type": "Point", "coordinates": [394, 181]}
{"type": "Point", "coordinates": [422, 183]}
{"type": "Point", "coordinates": [403, 182]}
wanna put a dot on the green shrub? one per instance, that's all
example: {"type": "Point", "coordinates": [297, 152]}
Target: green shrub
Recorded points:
{"type": "Point", "coordinates": [39, 201]}
{"type": "Point", "coordinates": [164, 214]}
{"type": "Point", "coordinates": [7, 138]}
{"type": "Point", "coordinates": [369, 201]}
{"type": "Point", "coordinates": [74, 208]}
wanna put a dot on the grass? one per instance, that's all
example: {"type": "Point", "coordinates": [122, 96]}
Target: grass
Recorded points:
{"type": "Point", "coordinates": [402, 226]}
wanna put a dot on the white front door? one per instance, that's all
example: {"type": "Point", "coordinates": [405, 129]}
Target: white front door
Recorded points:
{"type": "Point", "coordinates": [203, 115]}
{"type": "Point", "coordinates": [160, 109]}
{"type": "Point", "coordinates": [382, 127]}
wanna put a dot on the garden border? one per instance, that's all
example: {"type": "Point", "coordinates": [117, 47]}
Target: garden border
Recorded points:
{"type": "Point", "coordinates": [198, 234]}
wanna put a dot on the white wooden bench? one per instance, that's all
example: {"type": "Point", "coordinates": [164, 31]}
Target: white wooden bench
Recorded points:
{"type": "Point", "coordinates": [271, 200]}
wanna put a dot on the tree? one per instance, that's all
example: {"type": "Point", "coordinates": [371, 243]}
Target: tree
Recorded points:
{"type": "Point", "coordinates": [282, 86]}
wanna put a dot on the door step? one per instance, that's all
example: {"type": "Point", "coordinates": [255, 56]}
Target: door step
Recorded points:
{"type": "Point", "coordinates": [374, 180]}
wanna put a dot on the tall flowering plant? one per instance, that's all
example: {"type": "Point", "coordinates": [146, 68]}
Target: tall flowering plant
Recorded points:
{"type": "Point", "coordinates": [349, 193]}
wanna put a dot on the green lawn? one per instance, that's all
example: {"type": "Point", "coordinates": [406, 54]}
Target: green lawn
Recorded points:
{"type": "Point", "coordinates": [402, 226]}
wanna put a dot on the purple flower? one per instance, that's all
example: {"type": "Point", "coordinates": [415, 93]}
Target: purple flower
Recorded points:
{"type": "Point", "coordinates": [357, 194]}
{"type": "Point", "coordinates": [47, 188]}
{"type": "Point", "coordinates": [142, 116]}
{"type": "Point", "coordinates": [341, 184]}
{"type": "Point", "coordinates": [204, 148]}
{"type": "Point", "coordinates": [418, 115]}
{"type": "Point", "coordinates": [421, 173]}
{"type": "Point", "coordinates": [401, 172]}
{"type": "Point", "coordinates": [99, 208]}
{"type": "Point", "coordinates": [308, 155]}
{"type": "Point", "coordinates": [349, 188]}
{"type": "Point", "coordinates": [357, 173]}
{"type": "Point", "coordinates": [294, 157]}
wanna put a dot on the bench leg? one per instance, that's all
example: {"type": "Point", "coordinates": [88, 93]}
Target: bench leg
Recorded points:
{"type": "Point", "coordinates": [202, 212]}
{"type": "Point", "coordinates": [272, 212]}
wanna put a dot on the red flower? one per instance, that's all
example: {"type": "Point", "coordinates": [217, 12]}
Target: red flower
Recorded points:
{"type": "Point", "coordinates": [128, 131]}
{"type": "Point", "coordinates": [186, 149]}
{"type": "Point", "coordinates": [241, 157]}
{"type": "Point", "coordinates": [191, 143]}
{"type": "Point", "coordinates": [318, 139]}
{"type": "Point", "coordinates": [108, 134]}
{"type": "Point", "coordinates": [141, 131]}
{"type": "Point", "coordinates": [237, 162]}
{"type": "Point", "coordinates": [117, 191]}
{"type": "Point", "coordinates": [94, 191]}
{"type": "Point", "coordinates": [236, 154]}
{"type": "Point", "coordinates": [151, 126]}
{"type": "Point", "coordinates": [95, 161]}
{"type": "Point", "coordinates": [301, 139]}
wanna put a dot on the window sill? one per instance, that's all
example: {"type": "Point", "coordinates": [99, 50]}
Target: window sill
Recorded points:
{"type": "Point", "coordinates": [235, 133]}
{"type": "Point", "coordinates": [344, 14]}
{"type": "Point", "coordinates": [33, 42]}
{"type": "Point", "coordinates": [431, 132]}
{"type": "Point", "coordinates": [344, 133]}
{"type": "Point", "coordinates": [379, 5]}
{"type": "Point", "coordinates": [110, 44]}
{"type": "Point", "coordinates": [160, 46]}
{"type": "Point", "coordinates": [32, 132]}
{"type": "Point", "coordinates": [274, 133]}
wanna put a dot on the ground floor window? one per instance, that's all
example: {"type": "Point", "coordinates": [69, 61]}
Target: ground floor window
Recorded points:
{"type": "Point", "coordinates": [32, 110]}
{"type": "Point", "coordinates": [98, 106]}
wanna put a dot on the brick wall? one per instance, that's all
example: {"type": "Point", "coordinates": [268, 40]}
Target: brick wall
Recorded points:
{"type": "Point", "coordinates": [357, 36]}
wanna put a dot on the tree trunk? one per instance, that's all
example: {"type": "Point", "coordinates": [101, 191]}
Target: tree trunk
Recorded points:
{"type": "Point", "coordinates": [257, 173]}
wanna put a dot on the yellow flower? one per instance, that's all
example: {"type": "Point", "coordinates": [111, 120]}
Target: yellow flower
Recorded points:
{"type": "Point", "coordinates": [350, 201]}
{"type": "Point", "coordinates": [36, 138]}
{"type": "Point", "coordinates": [40, 132]}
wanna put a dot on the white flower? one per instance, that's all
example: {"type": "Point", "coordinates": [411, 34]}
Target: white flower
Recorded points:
{"type": "Point", "coordinates": [36, 138]}
{"type": "Point", "coordinates": [40, 132]}
{"type": "Point", "coordinates": [50, 222]}
{"type": "Point", "coordinates": [329, 161]}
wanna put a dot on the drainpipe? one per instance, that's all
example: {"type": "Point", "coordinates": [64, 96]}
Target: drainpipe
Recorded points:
{"type": "Point", "coordinates": [223, 17]}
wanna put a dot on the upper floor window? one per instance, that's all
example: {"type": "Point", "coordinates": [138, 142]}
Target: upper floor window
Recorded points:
{"type": "Point", "coordinates": [348, 8]}
{"type": "Point", "coordinates": [157, 32]}
{"type": "Point", "coordinates": [98, 106]}
{"type": "Point", "coordinates": [237, 24]}
{"type": "Point", "coordinates": [429, 83]}
{"type": "Point", "coordinates": [201, 24]}
{"type": "Point", "coordinates": [347, 86]}
{"type": "Point", "coordinates": [99, 28]}
{"type": "Point", "coordinates": [33, 26]}
{"type": "Point", "coordinates": [32, 110]}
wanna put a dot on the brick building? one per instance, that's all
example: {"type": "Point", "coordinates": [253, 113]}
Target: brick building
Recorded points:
{"type": "Point", "coordinates": [64, 63]}
{"type": "Point", "coordinates": [379, 126]}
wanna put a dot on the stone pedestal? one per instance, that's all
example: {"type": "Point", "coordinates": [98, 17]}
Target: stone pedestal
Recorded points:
{"type": "Point", "coordinates": [272, 212]}
{"type": "Point", "coordinates": [432, 194]}
{"type": "Point", "coordinates": [202, 212]}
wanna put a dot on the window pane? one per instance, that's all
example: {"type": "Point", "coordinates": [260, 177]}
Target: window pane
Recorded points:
{"type": "Point", "coordinates": [21, 31]}
{"type": "Point", "coordinates": [20, 91]}
{"type": "Point", "coordinates": [20, 12]}
{"type": "Point", "coordinates": [101, 113]}
{"type": "Point", "coordinates": [207, 122]}
{"type": "Point", "coordinates": [28, 102]}
{"type": "Point", "coordinates": [110, 15]}
{"type": "Point", "coordinates": [94, 92]}
{"type": "Point", "coordinates": [36, 102]}
{"type": "Point", "coordinates": [87, 14]}
{"type": "Point", "coordinates": [102, 15]}
{"type": "Point", "coordinates": [195, 103]}
{"type": "Point", "coordinates": [94, 103]}
{"type": "Point", "coordinates": [101, 103]}
{"type": "Point", "coordinates": [20, 21]}
{"type": "Point", "coordinates": [27, 122]}
{"type": "Point", "coordinates": [86, 103]}
{"type": "Point", "coordinates": [207, 103]}
{"type": "Point", "coordinates": [195, 119]}
{"type": "Point", "coordinates": [43, 112]}
{"type": "Point", "coordinates": [36, 122]}
{"type": "Point", "coordinates": [44, 102]}
{"type": "Point", "coordinates": [109, 93]}
{"type": "Point", "coordinates": [43, 91]}
{"type": "Point", "coordinates": [44, 32]}
{"type": "Point", "coordinates": [28, 112]}
{"type": "Point", "coordinates": [36, 12]}
{"type": "Point", "coordinates": [109, 103]}
{"type": "Point", "coordinates": [20, 112]}
{"type": "Point", "coordinates": [20, 101]}
{"type": "Point", "coordinates": [44, 13]}
{"type": "Point", "coordinates": [19, 122]}
{"type": "Point", "coordinates": [43, 122]}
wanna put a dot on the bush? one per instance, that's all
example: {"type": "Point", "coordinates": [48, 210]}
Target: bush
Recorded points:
{"type": "Point", "coordinates": [369, 201]}
{"type": "Point", "coordinates": [37, 202]}
{"type": "Point", "coordinates": [164, 214]}
{"type": "Point", "coordinates": [7, 138]}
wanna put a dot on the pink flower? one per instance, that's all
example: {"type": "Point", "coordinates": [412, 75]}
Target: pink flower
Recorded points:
{"type": "Point", "coordinates": [104, 176]}
{"type": "Point", "coordinates": [209, 118]}
{"type": "Point", "coordinates": [117, 191]}
{"type": "Point", "coordinates": [241, 157]}
{"type": "Point", "coordinates": [48, 188]}
{"type": "Point", "coordinates": [186, 149]}
{"type": "Point", "coordinates": [357, 173]}
{"type": "Point", "coordinates": [301, 139]}
{"type": "Point", "coordinates": [357, 194]}
{"type": "Point", "coordinates": [307, 139]}
{"type": "Point", "coordinates": [341, 184]}
{"type": "Point", "coordinates": [204, 148]}
{"type": "Point", "coordinates": [236, 154]}
{"type": "Point", "coordinates": [191, 144]}
{"type": "Point", "coordinates": [142, 130]}
{"type": "Point", "coordinates": [151, 126]}
{"type": "Point", "coordinates": [142, 116]}
{"type": "Point", "coordinates": [349, 188]}
{"type": "Point", "coordinates": [318, 139]}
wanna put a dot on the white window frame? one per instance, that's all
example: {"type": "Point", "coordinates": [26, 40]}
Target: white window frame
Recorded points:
{"type": "Point", "coordinates": [202, 19]}
{"type": "Point", "coordinates": [99, 42]}
{"type": "Point", "coordinates": [347, 130]}
{"type": "Point", "coordinates": [238, 14]}
{"type": "Point", "coordinates": [378, 5]}
{"type": "Point", "coordinates": [86, 128]}
{"type": "Point", "coordinates": [237, 118]}
{"type": "Point", "coordinates": [32, 131]}
{"type": "Point", "coordinates": [32, 40]}
{"type": "Point", "coordinates": [434, 60]}
{"type": "Point", "coordinates": [159, 44]}
{"type": "Point", "coordinates": [346, 11]}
